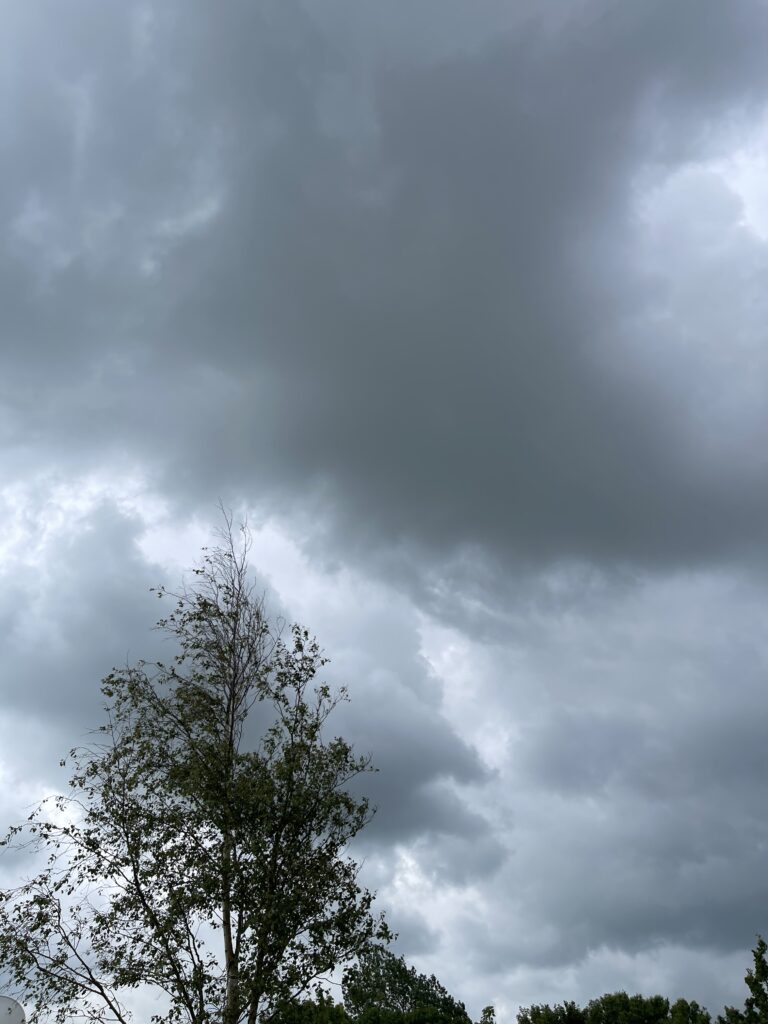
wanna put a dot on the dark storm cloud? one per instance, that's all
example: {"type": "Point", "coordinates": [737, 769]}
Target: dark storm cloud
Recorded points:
{"type": "Point", "coordinates": [635, 750]}
{"type": "Point", "coordinates": [427, 312]}
{"type": "Point", "coordinates": [676, 850]}
{"type": "Point", "coordinates": [466, 296]}
{"type": "Point", "coordinates": [65, 627]}
{"type": "Point", "coordinates": [375, 284]}
{"type": "Point", "coordinates": [413, 755]}
{"type": "Point", "coordinates": [421, 766]}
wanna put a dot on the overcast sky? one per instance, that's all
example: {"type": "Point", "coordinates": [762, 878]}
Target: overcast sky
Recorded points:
{"type": "Point", "coordinates": [465, 303]}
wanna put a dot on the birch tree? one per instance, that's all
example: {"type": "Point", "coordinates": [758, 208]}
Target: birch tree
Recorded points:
{"type": "Point", "coordinates": [184, 857]}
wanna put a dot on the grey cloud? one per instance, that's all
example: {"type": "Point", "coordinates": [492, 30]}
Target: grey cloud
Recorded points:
{"type": "Point", "coordinates": [462, 860]}
{"type": "Point", "coordinates": [429, 297]}
{"type": "Point", "coordinates": [634, 780]}
{"type": "Point", "coordinates": [413, 935]}
{"type": "Point", "coordinates": [415, 752]}
{"type": "Point", "coordinates": [421, 332]}
{"type": "Point", "coordinates": [468, 301]}
{"type": "Point", "coordinates": [67, 626]}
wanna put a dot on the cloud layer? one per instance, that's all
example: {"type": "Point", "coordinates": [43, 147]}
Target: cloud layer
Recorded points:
{"type": "Point", "coordinates": [467, 308]}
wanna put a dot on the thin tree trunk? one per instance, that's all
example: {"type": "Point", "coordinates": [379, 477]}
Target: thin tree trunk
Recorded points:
{"type": "Point", "coordinates": [230, 958]}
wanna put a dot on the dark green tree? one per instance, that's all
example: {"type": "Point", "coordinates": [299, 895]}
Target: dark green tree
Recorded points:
{"type": "Point", "coordinates": [560, 1013]}
{"type": "Point", "coordinates": [185, 859]}
{"type": "Point", "coordinates": [381, 987]}
{"type": "Point", "coordinates": [620, 1008]}
{"type": "Point", "coordinates": [617, 1008]}
{"type": "Point", "coordinates": [684, 1012]}
{"type": "Point", "coordinates": [756, 1004]}
{"type": "Point", "coordinates": [320, 1010]}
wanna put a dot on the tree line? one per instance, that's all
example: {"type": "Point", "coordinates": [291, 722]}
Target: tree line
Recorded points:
{"type": "Point", "coordinates": [202, 851]}
{"type": "Point", "coordinates": [382, 989]}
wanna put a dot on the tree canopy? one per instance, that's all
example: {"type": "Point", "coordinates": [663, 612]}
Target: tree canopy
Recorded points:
{"type": "Point", "coordinates": [756, 1004]}
{"type": "Point", "coordinates": [381, 986]}
{"type": "Point", "coordinates": [617, 1008]}
{"type": "Point", "coordinates": [183, 858]}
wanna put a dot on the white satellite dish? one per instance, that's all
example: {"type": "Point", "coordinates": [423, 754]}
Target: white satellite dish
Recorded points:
{"type": "Point", "coordinates": [11, 1011]}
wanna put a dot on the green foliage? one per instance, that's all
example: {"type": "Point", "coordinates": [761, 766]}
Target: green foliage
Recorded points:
{"type": "Point", "coordinates": [561, 1013]}
{"type": "Point", "coordinates": [617, 1008]}
{"type": "Point", "coordinates": [382, 989]}
{"type": "Point", "coordinates": [756, 1004]}
{"type": "Point", "coordinates": [182, 859]}
{"type": "Point", "coordinates": [620, 1008]}
{"type": "Point", "coordinates": [684, 1012]}
{"type": "Point", "coordinates": [324, 1011]}
{"type": "Point", "coordinates": [321, 1010]}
